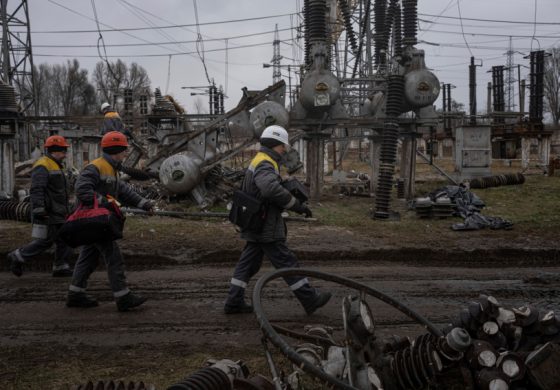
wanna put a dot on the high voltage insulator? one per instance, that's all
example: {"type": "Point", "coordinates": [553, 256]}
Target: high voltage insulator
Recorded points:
{"type": "Point", "coordinates": [306, 21]}
{"type": "Point", "coordinates": [345, 10]}
{"type": "Point", "coordinates": [380, 8]}
{"type": "Point", "coordinates": [317, 21]}
{"type": "Point", "coordinates": [397, 29]}
{"type": "Point", "coordinates": [395, 96]}
{"type": "Point", "coordinates": [7, 98]}
{"type": "Point", "coordinates": [15, 211]}
{"type": "Point", "coordinates": [388, 157]}
{"type": "Point", "coordinates": [209, 378]}
{"type": "Point", "coordinates": [410, 11]}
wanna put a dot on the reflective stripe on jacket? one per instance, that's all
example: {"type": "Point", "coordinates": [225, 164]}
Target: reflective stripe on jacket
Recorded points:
{"type": "Point", "coordinates": [263, 181]}
{"type": "Point", "coordinates": [100, 177]}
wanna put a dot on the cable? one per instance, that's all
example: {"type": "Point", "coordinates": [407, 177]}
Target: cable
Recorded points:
{"type": "Point", "coordinates": [496, 35]}
{"type": "Point", "coordinates": [200, 44]}
{"type": "Point", "coordinates": [103, 24]}
{"type": "Point", "coordinates": [192, 53]}
{"type": "Point", "coordinates": [535, 28]}
{"type": "Point", "coordinates": [439, 15]}
{"type": "Point", "coordinates": [495, 20]}
{"type": "Point", "coordinates": [462, 29]}
{"type": "Point", "coordinates": [165, 43]}
{"type": "Point", "coordinates": [113, 29]}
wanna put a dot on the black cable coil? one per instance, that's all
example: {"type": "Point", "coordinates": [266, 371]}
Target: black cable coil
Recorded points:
{"type": "Point", "coordinates": [498, 180]}
{"type": "Point", "coordinates": [15, 211]}
{"type": "Point", "coordinates": [209, 378]}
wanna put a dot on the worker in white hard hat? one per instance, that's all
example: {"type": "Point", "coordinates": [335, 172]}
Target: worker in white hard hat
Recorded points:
{"type": "Point", "coordinates": [263, 182]}
{"type": "Point", "coordinates": [112, 121]}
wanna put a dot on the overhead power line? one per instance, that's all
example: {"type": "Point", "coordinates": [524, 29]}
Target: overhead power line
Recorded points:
{"type": "Point", "coordinates": [159, 27]}
{"type": "Point", "coordinates": [492, 20]}
{"type": "Point", "coordinates": [191, 53]}
{"type": "Point", "coordinates": [167, 42]}
{"type": "Point", "coordinates": [496, 35]}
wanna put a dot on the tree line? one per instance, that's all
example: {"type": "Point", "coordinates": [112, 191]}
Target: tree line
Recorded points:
{"type": "Point", "coordinates": [66, 89]}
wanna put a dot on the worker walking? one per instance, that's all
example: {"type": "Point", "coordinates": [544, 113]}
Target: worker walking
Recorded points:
{"type": "Point", "coordinates": [49, 209]}
{"type": "Point", "coordinates": [112, 120]}
{"type": "Point", "coordinates": [263, 182]}
{"type": "Point", "coordinates": [100, 179]}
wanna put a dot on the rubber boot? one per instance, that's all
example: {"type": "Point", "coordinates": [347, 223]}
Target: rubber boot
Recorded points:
{"type": "Point", "coordinates": [320, 301]}
{"type": "Point", "coordinates": [238, 309]}
{"type": "Point", "coordinates": [129, 301]}
{"type": "Point", "coordinates": [16, 266]}
{"type": "Point", "coordinates": [80, 299]}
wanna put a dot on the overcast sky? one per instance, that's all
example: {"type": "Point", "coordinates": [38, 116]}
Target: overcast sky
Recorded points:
{"type": "Point", "coordinates": [449, 60]}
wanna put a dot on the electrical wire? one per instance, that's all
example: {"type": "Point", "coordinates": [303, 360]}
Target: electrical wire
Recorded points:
{"type": "Point", "coordinates": [192, 53]}
{"type": "Point", "coordinates": [439, 15]}
{"type": "Point", "coordinates": [200, 44]}
{"type": "Point", "coordinates": [114, 29]}
{"type": "Point", "coordinates": [166, 43]}
{"type": "Point", "coordinates": [494, 20]}
{"type": "Point", "coordinates": [535, 28]}
{"type": "Point", "coordinates": [496, 35]}
{"type": "Point", "coordinates": [462, 29]}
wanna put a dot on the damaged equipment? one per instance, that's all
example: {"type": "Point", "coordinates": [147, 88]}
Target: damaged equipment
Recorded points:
{"type": "Point", "coordinates": [488, 347]}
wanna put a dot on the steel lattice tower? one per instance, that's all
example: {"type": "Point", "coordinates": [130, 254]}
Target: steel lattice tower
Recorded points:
{"type": "Point", "coordinates": [510, 79]}
{"type": "Point", "coordinates": [16, 60]}
{"type": "Point", "coordinates": [276, 58]}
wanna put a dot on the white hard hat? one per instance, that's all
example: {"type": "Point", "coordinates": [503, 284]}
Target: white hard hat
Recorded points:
{"type": "Point", "coordinates": [276, 132]}
{"type": "Point", "coordinates": [104, 106]}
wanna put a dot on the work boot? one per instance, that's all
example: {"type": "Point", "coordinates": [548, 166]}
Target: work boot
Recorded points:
{"type": "Point", "coordinates": [320, 301]}
{"type": "Point", "coordinates": [16, 266]}
{"type": "Point", "coordinates": [62, 273]}
{"type": "Point", "coordinates": [80, 299]}
{"type": "Point", "coordinates": [238, 309]}
{"type": "Point", "coordinates": [130, 301]}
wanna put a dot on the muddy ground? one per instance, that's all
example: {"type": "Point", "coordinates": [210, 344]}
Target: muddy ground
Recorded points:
{"type": "Point", "coordinates": [184, 267]}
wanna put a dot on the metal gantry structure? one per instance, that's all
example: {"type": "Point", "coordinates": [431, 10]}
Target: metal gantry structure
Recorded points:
{"type": "Point", "coordinates": [16, 59]}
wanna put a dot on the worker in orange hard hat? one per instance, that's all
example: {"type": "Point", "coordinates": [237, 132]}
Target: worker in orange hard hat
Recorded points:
{"type": "Point", "coordinates": [49, 202]}
{"type": "Point", "coordinates": [100, 179]}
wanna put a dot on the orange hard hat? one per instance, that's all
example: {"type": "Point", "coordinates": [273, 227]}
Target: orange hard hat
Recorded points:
{"type": "Point", "coordinates": [56, 140]}
{"type": "Point", "coordinates": [114, 138]}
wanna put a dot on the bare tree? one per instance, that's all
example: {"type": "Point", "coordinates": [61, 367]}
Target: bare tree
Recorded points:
{"type": "Point", "coordinates": [64, 89]}
{"type": "Point", "coordinates": [552, 85]}
{"type": "Point", "coordinates": [114, 78]}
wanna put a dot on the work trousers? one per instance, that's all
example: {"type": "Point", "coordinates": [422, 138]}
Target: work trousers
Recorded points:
{"type": "Point", "coordinates": [62, 252]}
{"type": "Point", "coordinates": [88, 261]}
{"type": "Point", "coordinates": [281, 257]}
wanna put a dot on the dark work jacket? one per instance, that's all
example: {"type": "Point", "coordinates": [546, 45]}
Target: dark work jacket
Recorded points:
{"type": "Point", "coordinates": [48, 189]}
{"type": "Point", "coordinates": [112, 122]}
{"type": "Point", "coordinates": [100, 177]}
{"type": "Point", "coordinates": [263, 181]}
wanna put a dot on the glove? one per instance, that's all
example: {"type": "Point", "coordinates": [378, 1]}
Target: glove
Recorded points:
{"type": "Point", "coordinates": [39, 213]}
{"type": "Point", "coordinates": [148, 206]}
{"type": "Point", "coordinates": [302, 208]}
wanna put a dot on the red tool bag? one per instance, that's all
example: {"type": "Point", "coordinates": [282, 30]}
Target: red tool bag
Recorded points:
{"type": "Point", "coordinates": [88, 226]}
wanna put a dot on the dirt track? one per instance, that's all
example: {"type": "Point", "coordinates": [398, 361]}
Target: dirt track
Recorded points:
{"type": "Point", "coordinates": [185, 310]}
